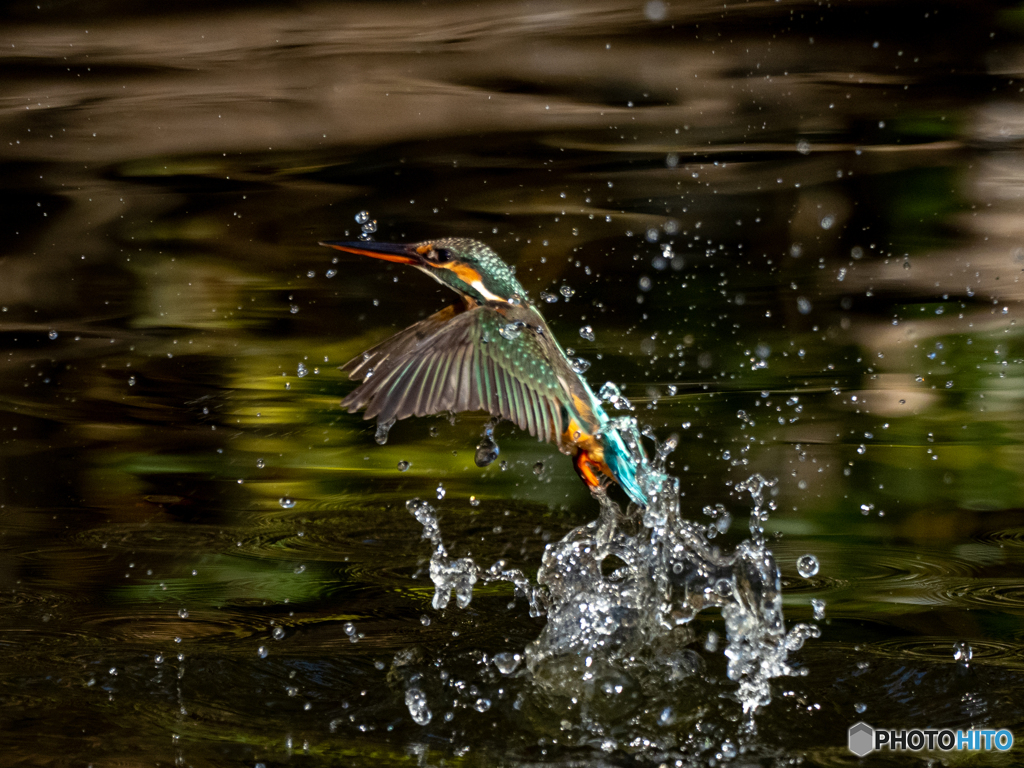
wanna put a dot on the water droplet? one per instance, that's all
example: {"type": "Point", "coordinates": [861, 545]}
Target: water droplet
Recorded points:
{"type": "Point", "coordinates": [803, 305]}
{"type": "Point", "coordinates": [299, 569]}
{"type": "Point", "coordinates": [440, 491]}
{"type": "Point", "coordinates": [262, 651]}
{"type": "Point", "coordinates": [507, 662]}
{"type": "Point", "coordinates": [425, 620]}
{"type": "Point", "coordinates": [655, 10]}
{"type": "Point", "coordinates": [579, 364]}
{"type": "Point", "coordinates": [548, 298]}
{"type": "Point", "coordinates": [362, 217]}
{"type": "Point", "coordinates": [807, 566]}
{"type": "Point", "coordinates": [487, 450]}
{"type": "Point", "coordinates": [260, 464]}
{"type": "Point", "coordinates": [286, 502]}
{"type": "Point", "coordinates": [403, 466]}
{"type": "Point", "coordinates": [302, 370]}
{"type": "Point", "coordinates": [349, 627]}
{"type": "Point", "coordinates": [567, 291]}
{"type": "Point", "coordinates": [474, 501]}
{"type": "Point", "coordinates": [962, 652]}
{"type": "Point", "coordinates": [416, 701]}
{"type": "Point", "coordinates": [538, 467]}
{"type": "Point", "coordinates": [383, 427]}
{"type": "Point", "coordinates": [803, 147]}
{"type": "Point", "coordinates": [819, 608]}
{"type": "Point", "coordinates": [278, 633]}
{"type": "Point", "coordinates": [586, 332]}
{"type": "Point", "coordinates": [369, 227]}
{"type": "Point", "coordinates": [482, 705]}
{"type": "Point", "coordinates": [52, 335]}
{"type": "Point", "coordinates": [182, 613]}
{"type": "Point", "coordinates": [131, 381]}
{"type": "Point", "coordinates": [511, 331]}
{"type": "Point", "coordinates": [860, 708]}
{"type": "Point", "coordinates": [610, 393]}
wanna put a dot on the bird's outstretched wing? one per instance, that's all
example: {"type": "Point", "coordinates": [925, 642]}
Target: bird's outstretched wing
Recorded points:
{"type": "Point", "coordinates": [462, 361]}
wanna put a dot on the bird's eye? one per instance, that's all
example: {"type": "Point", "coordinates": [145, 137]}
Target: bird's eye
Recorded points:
{"type": "Point", "coordinates": [441, 254]}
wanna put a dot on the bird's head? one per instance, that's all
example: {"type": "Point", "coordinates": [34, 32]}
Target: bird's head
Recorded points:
{"type": "Point", "coordinates": [466, 266]}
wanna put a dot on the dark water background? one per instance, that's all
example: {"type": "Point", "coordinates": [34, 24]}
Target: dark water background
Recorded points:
{"type": "Point", "coordinates": [840, 189]}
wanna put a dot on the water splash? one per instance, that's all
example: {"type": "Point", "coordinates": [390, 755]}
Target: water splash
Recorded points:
{"type": "Point", "coordinates": [609, 393]}
{"type": "Point", "coordinates": [626, 583]}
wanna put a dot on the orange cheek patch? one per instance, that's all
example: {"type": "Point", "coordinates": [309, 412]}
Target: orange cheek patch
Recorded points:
{"type": "Point", "coordinates": [468, 275]}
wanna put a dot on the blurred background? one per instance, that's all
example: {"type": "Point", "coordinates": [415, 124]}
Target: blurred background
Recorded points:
{"type": "Point", "coordinates": [795, 229]}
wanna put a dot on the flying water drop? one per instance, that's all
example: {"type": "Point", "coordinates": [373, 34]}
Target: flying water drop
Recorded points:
{"type": "Point", "coordinates": [511, 331]}
{"type": "Point", "coordinates": [579, 364]}
{"type": "Point", "coordinates": [416, 701]}
{"type": "Point", "coordinates": [807, 566]}
{"type": "Point", "coordinates": [383, 427]}
{"type": "Point", "coordinates": [962, 652]}
{"type": "Point", "coordinates": [610, 393]}
{"type": "Point", "coordinates": [507, 662]}
{"type": "Point", "coordinates": [487, 450]}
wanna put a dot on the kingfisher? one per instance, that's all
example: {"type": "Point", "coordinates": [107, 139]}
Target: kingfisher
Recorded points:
{"type": "Point", "coordinates": [492, 352]}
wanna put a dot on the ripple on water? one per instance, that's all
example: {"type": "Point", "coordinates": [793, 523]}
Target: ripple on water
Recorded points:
{"type": "Point", "coordinates": [899, 565]}
{"type": "Point", "coordinates": [158, 624]}
{"type": "Point", "coordinates": [940, 650]}
{"type": "Point", "coordinates": [1006, 537]}
{"type": "Point", "coordinates": [1001, 594]}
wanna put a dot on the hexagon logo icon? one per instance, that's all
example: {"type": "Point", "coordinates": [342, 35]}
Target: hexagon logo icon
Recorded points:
{"type": "Point", "coordinates": [860, 739]}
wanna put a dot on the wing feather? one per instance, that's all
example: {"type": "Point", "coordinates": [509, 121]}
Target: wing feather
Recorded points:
{"type": "Point", "coordinates": [458, 361]}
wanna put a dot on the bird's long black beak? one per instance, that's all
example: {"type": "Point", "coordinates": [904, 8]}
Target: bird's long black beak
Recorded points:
{"type": "Point", "coordinates": [402, 254]}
